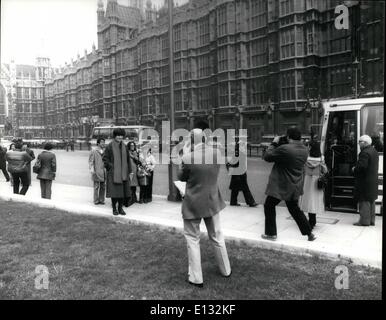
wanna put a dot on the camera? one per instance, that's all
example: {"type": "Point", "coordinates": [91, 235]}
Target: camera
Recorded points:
{"type": "Point", "coordinates": [282, 140]}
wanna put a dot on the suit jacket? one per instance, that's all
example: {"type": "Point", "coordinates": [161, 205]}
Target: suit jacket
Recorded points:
{"type": "Point", "coordinates": [366, 175]}
{"type": "Point", "coordinates": [202, 197]}
{"type": "Point", "coordinates": [95, 162]}
{"type": "Point", "coordinates": [48, 165]}
{"type": "Point", "coordinates": [287, 175]}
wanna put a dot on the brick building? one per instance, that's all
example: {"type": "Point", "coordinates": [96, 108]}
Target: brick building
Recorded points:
{"type": "Point", "coordinates": [255, 64]}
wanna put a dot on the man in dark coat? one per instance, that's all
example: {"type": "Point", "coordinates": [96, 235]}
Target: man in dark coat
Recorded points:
{"type": "Point", "coordinates": [47, 170]}
{"type": "Point", "coordinates": [3, 165]}
{"type": "Point", "coordinates": [115, 159]}
{"type": "Point", "coordinates": [239, 182]}
{"type": "Point", "coordinates": [286, 183]}
{"type": "Point", "coordinates": [366, 181]}
{"type": "Point", "coordinates": [202, 201]}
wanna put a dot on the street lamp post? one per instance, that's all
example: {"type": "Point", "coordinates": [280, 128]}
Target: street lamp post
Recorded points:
{"type": "Point", "coordinates": [173, 192]}
{"type": "Point", "coordinates": [356, 65]}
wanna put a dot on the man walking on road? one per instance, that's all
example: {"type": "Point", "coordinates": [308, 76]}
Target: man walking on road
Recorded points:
{"type": "Point", "coordinates": [286, 182]}
{"type": "Point", "coordinates": [202, 201]}
{"type": "Point", "coordinates": [366, 181]}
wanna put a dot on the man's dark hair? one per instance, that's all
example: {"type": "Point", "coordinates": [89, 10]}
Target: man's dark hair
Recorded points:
{"type": "Point", "coordinates": [315, 149]}
{"type": "Point", "coordinates": [119, 132]}
{"type": "Point", "coordinates": [48, 146]}
{"type": "Point", "coordinates": [99, 140]}
{"type": "Point", "coordinates": [201, 124]}
{"type": "Point", "coordinates": [294, 133]}
{"type": "Point", "coordinates": [18, 145]}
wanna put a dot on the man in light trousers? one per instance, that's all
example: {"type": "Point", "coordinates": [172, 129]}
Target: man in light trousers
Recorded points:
{"type": "Point", "coordinates": [97, 171]}
{"type": "Point", "coordinates": [202, 201]}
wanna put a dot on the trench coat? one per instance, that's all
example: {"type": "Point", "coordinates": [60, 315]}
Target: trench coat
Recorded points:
{"type": "Point", "coordinates": [202, 197]}
{"type": "Point", "coordinates": [312, 200]}
{"type": "Point", "coordinates": [287, 175]}
{"type": "Point", "coordinates": [115, 190]}
{"type": "Point", "coordinates": [366, 175]}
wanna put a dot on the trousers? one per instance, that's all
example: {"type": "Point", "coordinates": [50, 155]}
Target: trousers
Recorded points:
{"type": "Point", "coordinates": [99, 191]}
{"type": "Point", "coordinates": [367, 212]}
{"type": "Point", "coordinates": [293, 208]}
{"type": "Point", "coordinates": [192, 236]}
{"type": "Point", "coordinates": [46, 188]}
{"type": "Point", "coordinates": [17, 178]}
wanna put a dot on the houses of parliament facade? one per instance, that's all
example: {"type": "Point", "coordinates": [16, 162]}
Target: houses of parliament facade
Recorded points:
{"type": "Point", "coordinates": [262, 65]}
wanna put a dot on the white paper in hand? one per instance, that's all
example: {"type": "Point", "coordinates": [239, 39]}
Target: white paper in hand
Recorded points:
{"type": "Point", "coordinates": [181, 186]}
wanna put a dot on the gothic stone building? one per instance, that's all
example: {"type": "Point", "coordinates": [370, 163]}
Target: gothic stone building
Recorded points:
{"type": "Point", "coordinates": [256, 64]}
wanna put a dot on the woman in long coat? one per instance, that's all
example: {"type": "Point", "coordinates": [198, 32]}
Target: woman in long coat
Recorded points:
{"type": "Point", "coordinates": [312, 200]}
{"type": "Point", "coordinates": [133, 164]}
{"type": "Point", "coordinates": [115, 159]}
{"type": "Point", "coordinates": [32, 155]}
{"type": "Point", "coordinates": [239, 183]}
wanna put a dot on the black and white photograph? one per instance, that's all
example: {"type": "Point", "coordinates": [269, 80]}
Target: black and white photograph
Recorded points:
{"type": "Point", "coordinates": [191, 155]}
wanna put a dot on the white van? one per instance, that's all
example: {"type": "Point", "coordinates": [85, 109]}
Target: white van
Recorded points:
{"type": "Point", "coordinates": [141, 135]}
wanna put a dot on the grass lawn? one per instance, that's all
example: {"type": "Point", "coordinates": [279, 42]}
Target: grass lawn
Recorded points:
{"type": "Point", "coordinates": [104, 258]}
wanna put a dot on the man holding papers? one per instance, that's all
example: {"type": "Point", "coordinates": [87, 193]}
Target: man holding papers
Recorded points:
{"type": "Point", "coordinates": [202, 200]}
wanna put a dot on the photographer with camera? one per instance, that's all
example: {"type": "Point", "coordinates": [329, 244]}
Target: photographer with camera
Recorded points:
{"type": "Point", "coordinates": [286, 182]}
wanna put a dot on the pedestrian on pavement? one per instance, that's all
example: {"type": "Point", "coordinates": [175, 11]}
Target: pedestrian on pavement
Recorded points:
{"type": "Point", "coordinates": [142, 176]}
{"type": "Point", "coordinates": [202, 201]}
{"type": "Point", "coordinates": [286, 182]}
{"type": "Point", "coordinates": [32, 155]}
{"type": "Point", "coordinates": [47, 170]}
{"type": "Point", "coordinates": [115, 159]}
{"type": "Point", "coordinates": [72, 144]}
{"type": "Point", "coordinates": [17, 167]}
{"type": "Point", "coordinates": [150, 163]}
{"type": "Point", "coordinates": [98, 172]}
{"type": "Point", "coordinates": [239, 181]}
{"type": "Point", "coordinates": [133, 164]}
{"type": "Point", "coordinates": [366, 181]}
{"type": "Point", "coordinates": [312, 200]}
{"type": "Point", "coordinates": [3, 164]}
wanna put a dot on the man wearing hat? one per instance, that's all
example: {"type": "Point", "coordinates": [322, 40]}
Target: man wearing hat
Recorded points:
{"type": "Point", "coordinates": [366, 181]}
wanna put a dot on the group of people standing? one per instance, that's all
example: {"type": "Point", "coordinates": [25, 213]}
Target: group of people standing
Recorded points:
{"type": "Point", "coordinates": [17, 161]}
{"type": "Point", "coordinates": [117, 170]}
{"type": "Point", "coordinates": [293, 179]}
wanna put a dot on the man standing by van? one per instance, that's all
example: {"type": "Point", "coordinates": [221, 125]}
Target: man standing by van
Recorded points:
{"type": "Point", "coordinates": [366, 181]}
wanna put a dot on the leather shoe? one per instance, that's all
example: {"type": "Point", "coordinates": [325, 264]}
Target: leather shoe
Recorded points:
{"type": "Point", "coordinates": [115, 212]}
{"type": "Point", "coordinates": [359, 224]}
{"type": "Point", "coordinates": [267, 237]}
{"type": "Point", "coordinates": [121, 212]}
{"type": "Point", "coordinates": [198, 285]}
{"type": "Point", "coordinates": [236, 204]}
{"type": "Point", "coordinates": [228, 276]}
{"type": "Point", "coordinates": [311, 237]}
{"type": "Point", "coordinates": [253, 205]}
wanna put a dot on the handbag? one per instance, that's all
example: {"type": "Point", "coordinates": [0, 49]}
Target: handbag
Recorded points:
{"type": "Point", "coordinates": [322, 181]}
{"type": "Point", "coordinates": [37, 166]}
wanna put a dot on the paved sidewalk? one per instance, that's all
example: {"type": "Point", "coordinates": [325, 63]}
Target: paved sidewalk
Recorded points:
{"type": "Point", "coordinates": [336, 239]}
